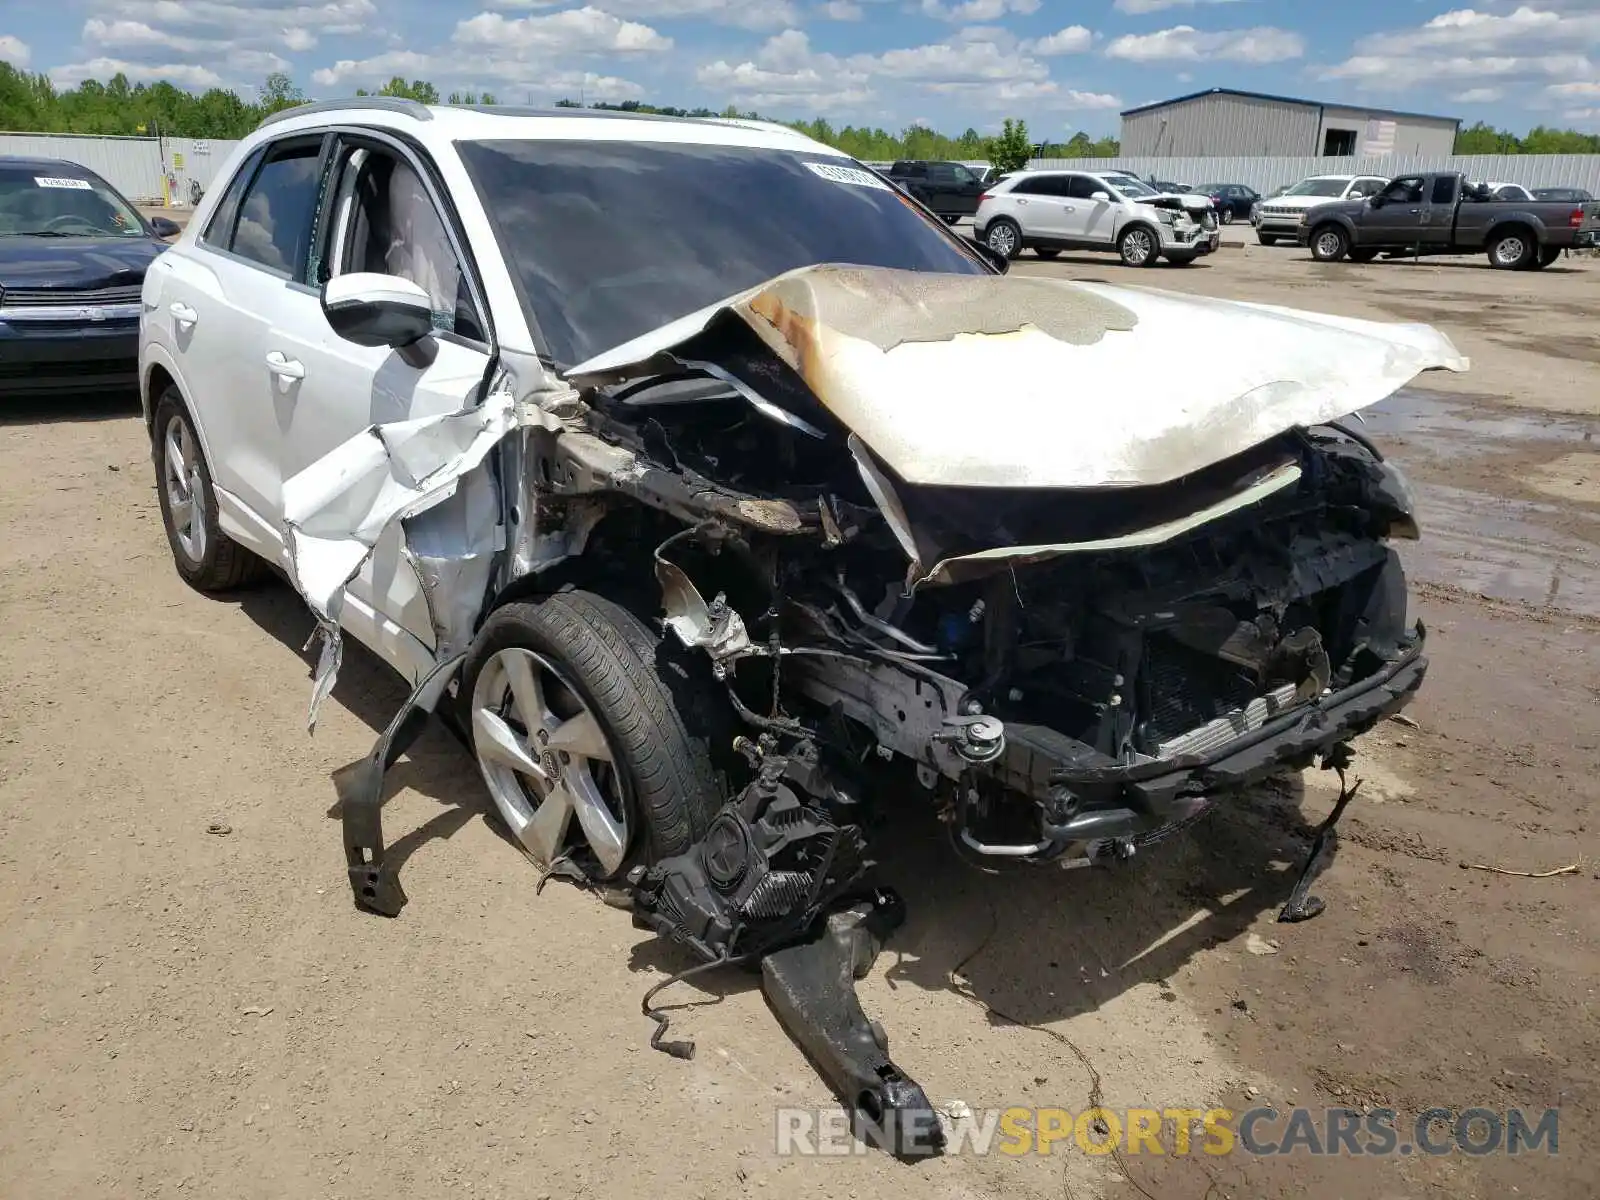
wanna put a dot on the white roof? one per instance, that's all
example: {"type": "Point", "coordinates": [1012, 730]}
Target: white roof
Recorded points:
{"type": "Point", "coordinates": [460, 123]}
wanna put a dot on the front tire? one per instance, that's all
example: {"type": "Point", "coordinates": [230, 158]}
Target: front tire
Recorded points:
{"type": "Point", "coordinates": [588, 734]}
{"type": "Point", "coordinates": [207, 559]}
{"type": "Point", "coordinates": [1267, 239]}
{"type": "Point", "coordinates": [1004, 237]}
{"type": "Point", "coordinates": [1226, 216]}
{"type": "Point", "coordinates": [1046, 251]}
{"type": "Point", "coordinates": [1363, 255]}
{"type": "Point", "coordinates": [1329, 243]}
{"type": "Point", "coordinates": [1139, 247]}
{"type": "Point", "coordinates": [1182, 260]}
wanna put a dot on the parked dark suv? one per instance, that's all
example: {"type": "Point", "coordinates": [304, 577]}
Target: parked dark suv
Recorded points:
{"type": "Point", "coordinates": [950, 189]}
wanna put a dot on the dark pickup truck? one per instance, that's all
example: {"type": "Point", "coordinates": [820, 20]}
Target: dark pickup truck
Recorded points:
{"type": "Point", "coordinates": [950, 189]}
{"type": "Point", "coordinates": [1446, 214]}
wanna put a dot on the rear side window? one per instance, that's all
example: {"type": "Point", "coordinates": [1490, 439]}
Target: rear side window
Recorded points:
{"type": "Point", "coordinates": [219, 230]}
{"type": "Point", "coordinates": [1029, 187]}
{"type": "Point", "coordinates": [276, 211]}
{"type": "Point", "coordinates": [1081, 187]}
{"type": "Point", "coordinates": [1444, 190]}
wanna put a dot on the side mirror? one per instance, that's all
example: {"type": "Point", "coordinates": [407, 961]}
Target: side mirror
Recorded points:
{"type": "Point", "coordinates": [165, 227]}
{"type": "Point", "coordinates": [377, 310]}
{"type": "Point", "coordinates": [994, 258]}
{"type": "Point", "coordinates": [1376, 200]}
{"type": "Point", "coordinates": [1102, 197]}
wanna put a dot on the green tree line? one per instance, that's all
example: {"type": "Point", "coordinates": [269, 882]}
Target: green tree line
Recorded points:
{"type": "Point", "coordinates": [31, 103]}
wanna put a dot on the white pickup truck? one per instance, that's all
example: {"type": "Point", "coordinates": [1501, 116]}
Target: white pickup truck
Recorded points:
{"type": "Point", "coordinates": [1051, 211]}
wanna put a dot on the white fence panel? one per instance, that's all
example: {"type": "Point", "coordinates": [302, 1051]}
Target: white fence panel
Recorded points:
{"type": "Point", "coordinates": [143, 169]}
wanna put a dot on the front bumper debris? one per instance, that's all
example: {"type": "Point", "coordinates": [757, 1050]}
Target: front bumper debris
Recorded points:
{"type": "Point", "coordinates": [811, 987]}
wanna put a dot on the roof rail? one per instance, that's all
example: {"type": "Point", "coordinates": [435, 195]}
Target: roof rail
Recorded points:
{"type": "Point", "coordinates": [398, 104]}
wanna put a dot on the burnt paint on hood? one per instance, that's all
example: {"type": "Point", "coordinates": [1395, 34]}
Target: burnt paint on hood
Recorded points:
{"type": "Point", "coordinates": [75, 262]}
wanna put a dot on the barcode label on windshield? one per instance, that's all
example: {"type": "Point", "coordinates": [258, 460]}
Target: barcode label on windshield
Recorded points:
{"type": "Point", "coordinates": [851, 175]}
{"type": "Point", "coordinates": [53, 181]}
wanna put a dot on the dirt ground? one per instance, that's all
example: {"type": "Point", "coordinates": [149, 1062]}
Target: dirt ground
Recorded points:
{"type": "Point", "coordinates": [184, 1012]}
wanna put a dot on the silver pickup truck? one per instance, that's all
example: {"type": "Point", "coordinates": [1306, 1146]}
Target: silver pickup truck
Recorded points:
{"type": "Point", "coordinates": [1446, 214]}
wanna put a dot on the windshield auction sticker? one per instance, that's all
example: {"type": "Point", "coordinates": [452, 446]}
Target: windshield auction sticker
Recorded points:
{"type": "Point", "coordinates": [851, 175]}
{"type": "Point", "coordinates": [61, 181]}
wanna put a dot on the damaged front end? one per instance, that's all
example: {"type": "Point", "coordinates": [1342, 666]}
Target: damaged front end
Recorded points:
{"type": "Point", "coordinates": [922, 537]}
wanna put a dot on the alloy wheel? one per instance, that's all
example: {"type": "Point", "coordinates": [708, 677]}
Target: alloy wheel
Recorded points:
{"type": "Point", "coordinates": [1137, 247]}
{"type": "Point", "coordinates": [1509, 250]}
{"type": "Point", "coordinates": [181, 478]}
{"type": "Point", "coordinates": [1002, 239]}
{"type": "Point", "coordinates": [546, 761]}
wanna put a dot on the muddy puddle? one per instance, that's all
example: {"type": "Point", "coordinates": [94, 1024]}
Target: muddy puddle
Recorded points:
{"type": "Point", "coordinates": [1487, 539]}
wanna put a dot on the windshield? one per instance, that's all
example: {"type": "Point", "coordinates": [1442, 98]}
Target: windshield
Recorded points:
{"type": "Point", "coordinates": [1319, 187]}
{"type": "Point", "coordinates": [1131, 187]}
{"type": "Point", "coordinates": [45, 201]}
{"type": "Point", "coordinates": [609, 240]}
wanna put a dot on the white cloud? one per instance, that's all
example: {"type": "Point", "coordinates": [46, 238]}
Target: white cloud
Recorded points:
{"type": "Point", "coordinates": [984, 67]}
{"type": "Point", "coordinates": [1074, 39]}
{"type": "Point", "coordinates": [14, 50]}
{"type": "Point", "coordinates": [572, 31]}
{"type": "Point", "coordinates": [1151, 6]}
{"type": "Point", "coordinates": [1481, 95]}
{"type": "Point", "coordinates": [784, 73]}
{"type": "Point", "coordinates": [1382, 71]}
{"type": "Point", "coordinates": [1184, 43]}
{"type": "Point", "coordinates": [182, 74]}
{"type": "Point", "coordinates": [1527, 46]}
{"type": "Point", "coordinates": [977, 10]}
{"type": "Point", "coordinates": [1581, 90]}
{"type": "Point", "coordinates": [747, 14]}
{"type": "Point", "coordinates": [841, 10]}
{"type": "Point", "coordinates": [533, 54]}
{"type": "Point", "coordinates": [207, 43]}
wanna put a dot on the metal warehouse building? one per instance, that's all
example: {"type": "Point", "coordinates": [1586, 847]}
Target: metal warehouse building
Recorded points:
{"type": "Point", "coordinates": [1223, 123]}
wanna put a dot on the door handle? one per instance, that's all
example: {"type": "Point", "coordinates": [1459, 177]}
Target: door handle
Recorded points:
{"type": "Point", "coordinates": [1023, 203]}
{"type": "Point", "coordinates": [1069, 208]}
{"type": "Point", "coordinates": [183, 314]}
{"type": "Point", "coordinates": [284, 367]}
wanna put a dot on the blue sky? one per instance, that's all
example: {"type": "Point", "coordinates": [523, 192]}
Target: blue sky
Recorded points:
{"type": "Point", "coordinates": [1062, 65]}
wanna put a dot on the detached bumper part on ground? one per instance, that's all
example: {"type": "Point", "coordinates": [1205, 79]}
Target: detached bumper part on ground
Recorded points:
{"type": "Point", "coordinates": [865, 581]}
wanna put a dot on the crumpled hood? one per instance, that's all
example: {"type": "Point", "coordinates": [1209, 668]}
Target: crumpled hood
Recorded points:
{"type": "Point", "coordinates": [1018, 381]}
{"type": "Point", "coordinates": [1188, 201]}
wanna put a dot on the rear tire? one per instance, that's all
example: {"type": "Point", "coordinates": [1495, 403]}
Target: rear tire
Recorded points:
{"type": "Point", "coordinates": [1046, 251]}
{"type": "Point", "coordinates": [1512, 249]}
{"type": "Point", "coordinates": [207, 559]}
{"type": "Point", "coordinates": [1004, 237]}
{"type": "Point", "coordinates": [1226, 216]}
{"type": "Point", "coordinates": [1329, 243]}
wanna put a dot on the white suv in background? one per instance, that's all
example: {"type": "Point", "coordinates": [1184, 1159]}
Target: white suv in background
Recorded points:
{"type": "Point", "coordinates": [1280, 216]}
{"type": "Point", "coordinates": [1051, 211]}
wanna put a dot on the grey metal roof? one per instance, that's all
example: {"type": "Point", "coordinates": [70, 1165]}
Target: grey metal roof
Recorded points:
{"type": "Point", "coordinates": [1222, 91]}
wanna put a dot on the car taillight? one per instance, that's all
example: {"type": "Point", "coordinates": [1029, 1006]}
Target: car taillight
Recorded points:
{"type": "Point", "coordinates": [983, 198]}
{"type": "Point", "coordinates": [1576, 219]}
